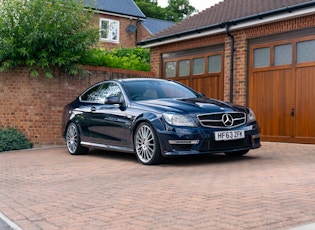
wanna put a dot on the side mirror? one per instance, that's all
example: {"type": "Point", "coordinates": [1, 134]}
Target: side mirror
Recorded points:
{"type": "Point", "coordinates": [112, 100]}
{"type": "Point", "coordinates": [202, 95]}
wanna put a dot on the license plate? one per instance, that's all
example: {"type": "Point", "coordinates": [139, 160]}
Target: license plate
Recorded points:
{"type": "Point", "coordinates": [229, 135]}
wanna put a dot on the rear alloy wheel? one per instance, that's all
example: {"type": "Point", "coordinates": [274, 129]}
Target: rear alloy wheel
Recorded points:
{"type": "Point", "coordinates": [237, 153]}
{"type": "Point", "coordinates": [73, 140]}
{"type": "Point", "coordinates": [147, 145]}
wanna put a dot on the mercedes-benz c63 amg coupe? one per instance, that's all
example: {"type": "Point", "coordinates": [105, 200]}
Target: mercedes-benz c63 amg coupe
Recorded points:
{"type": "Point", "coordinates": [155, 119]}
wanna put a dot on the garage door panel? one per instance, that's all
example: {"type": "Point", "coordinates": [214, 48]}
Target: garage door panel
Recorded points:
{"type": "Point", "coordinates": [282, 87]}
{"type": "Point", "coordinates": [305, 96]}
{"type": "Point", "coordinates": [208, 85]}
{"type": "Point", "coordinates": [184, 81]}
{"type": "Point", "coordinates": [272, 100]}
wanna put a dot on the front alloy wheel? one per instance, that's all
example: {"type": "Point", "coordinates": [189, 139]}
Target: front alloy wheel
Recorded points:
{"type": "Point", "coordinates": [73, 140]}
{"type": "Point", "coordinates": [147, 145]}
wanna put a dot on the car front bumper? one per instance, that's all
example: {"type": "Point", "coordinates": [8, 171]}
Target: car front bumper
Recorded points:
{"type": "Point", "coordinates": [188, 141]}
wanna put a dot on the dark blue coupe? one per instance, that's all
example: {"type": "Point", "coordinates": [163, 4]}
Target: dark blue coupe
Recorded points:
{"type": "Point", "coordinates": [156, 118]}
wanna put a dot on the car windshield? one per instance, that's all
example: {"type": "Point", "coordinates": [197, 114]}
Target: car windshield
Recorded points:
{"type": "Point", "coordinates": [148, 90]}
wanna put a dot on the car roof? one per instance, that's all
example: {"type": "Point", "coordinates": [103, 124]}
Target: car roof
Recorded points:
{"type": "Point", "coordinates": [139, 79]}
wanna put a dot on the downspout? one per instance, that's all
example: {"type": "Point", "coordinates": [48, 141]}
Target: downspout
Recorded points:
{"type": "Point", "coordinates": [136, 36]}
{"type": "Point", "coordinates": [231, 61]}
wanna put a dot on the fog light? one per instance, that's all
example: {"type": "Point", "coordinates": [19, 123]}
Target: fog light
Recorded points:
{"type": "Point", "coordinates": [183, 142]}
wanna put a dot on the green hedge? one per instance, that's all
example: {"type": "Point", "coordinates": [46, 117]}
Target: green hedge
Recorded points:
{"type": "Point", "coordinates": [125, 58]}
{"type": "Point", "coordinates": [13, 139]}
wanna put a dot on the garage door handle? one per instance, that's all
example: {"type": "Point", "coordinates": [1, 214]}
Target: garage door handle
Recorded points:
{"type": "Point", "coordinates": [292, 112]}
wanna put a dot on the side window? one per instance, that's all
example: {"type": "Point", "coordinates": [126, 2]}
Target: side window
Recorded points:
{"type": "Point", "coordinates": [88, 96]}
{"type": "Point", "coordinates": [98, 93]}
{"type": "Point", "coordinates": [109, 90]}
{"type": "Point", "coordinates": [109, 30]}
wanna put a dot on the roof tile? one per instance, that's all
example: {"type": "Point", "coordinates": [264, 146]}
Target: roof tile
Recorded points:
{"type": "Point", "coordinates": [124, 7]}
{"type": "Point", "coordinates": [227, 10]}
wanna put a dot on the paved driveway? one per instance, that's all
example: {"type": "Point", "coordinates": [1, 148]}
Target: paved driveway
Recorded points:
{"type": "Point", "coordinates": [270, 188]}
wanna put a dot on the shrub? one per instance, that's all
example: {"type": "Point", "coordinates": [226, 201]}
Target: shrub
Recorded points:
{"type": "Point", "coordinates": [43, 35]}
{"type": "Point", "coordinates": [125, 58]}
{"type": "Point", "coordinates": [13, 139]}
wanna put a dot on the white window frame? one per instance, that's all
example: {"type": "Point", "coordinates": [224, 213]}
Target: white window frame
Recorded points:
{"type": "Point", "coordinates": [111, 30]}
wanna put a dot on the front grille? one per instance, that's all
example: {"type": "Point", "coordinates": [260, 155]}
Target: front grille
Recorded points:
{"type": "Point", "coordinates": [218, 120]}
{"type": "Point", "coordinates": [211, 145]}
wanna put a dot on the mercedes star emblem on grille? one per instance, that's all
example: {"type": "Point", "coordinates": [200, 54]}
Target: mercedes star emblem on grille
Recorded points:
{"type": "Point", "coordinates": [227, 120]}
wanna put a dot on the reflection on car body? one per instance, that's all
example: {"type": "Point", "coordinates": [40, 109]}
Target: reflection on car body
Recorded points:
{"type": "Point", "coordinates": [156, 118]}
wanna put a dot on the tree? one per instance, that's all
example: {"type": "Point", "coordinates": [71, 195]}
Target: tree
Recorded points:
{"type": "Point", "coordinates": [45, 34]}
{"type": "Point", "coordinates": [176, 10]}
{"type": "Point", "coordinates": [150, 8]}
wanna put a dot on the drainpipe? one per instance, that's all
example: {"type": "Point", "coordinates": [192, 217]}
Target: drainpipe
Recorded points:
{"type": "Point", "coordinates": [136, 36]}
{"type": "Point", "coordinates": [231, 61]}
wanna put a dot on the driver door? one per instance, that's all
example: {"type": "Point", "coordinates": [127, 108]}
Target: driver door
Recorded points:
{"type": "Point", "coordinates": [108, 122]}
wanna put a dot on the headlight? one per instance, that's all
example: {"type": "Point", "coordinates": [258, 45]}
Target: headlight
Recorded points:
{"type": "Point", "coordinates": [251, 116]}
{"type": "Point", "coordinates": [179, 120]}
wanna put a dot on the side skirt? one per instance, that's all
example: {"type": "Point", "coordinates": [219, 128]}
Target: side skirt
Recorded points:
{"type": "Point", "coordinates": [106, 147]}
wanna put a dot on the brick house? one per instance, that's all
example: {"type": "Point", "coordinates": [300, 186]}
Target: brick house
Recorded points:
{"type": "Point", "coordinates": [258, 53]}
{"type": "Point", "coordinates": [123, 24]}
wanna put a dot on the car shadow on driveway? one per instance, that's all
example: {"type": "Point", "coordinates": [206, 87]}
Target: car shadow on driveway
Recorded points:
{"type": "Point", "coordinates": [175, 160]}
{"type": "Point", "coordinates": [206, 159]}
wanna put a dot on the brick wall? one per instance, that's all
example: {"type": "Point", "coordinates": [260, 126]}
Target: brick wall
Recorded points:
{"type": "Point", "coordinates": [240, 55]}
{"type": "Point", "coordinates": [35, 105]}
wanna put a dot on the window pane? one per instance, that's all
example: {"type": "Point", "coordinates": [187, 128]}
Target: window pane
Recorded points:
{"type": "Point", "coordinates": [184, 68]}
{"type": "Point", "coordinates": [114, 30]}
{"type": "Point", "coordinates": [305, 51]}
{"type": "Point", "coordinates": [90, 95]}
{"type": "Point", "coordinates": [104, 29]}
{"type": "Point", "coordinates": [108, 90]}
{"type": "Point", "coordinates": [198, 66]}
{"type": "Point", "coordinates": [170, 69]}
{"type": "Point", "coordinates": [214, 64]}
{"type": "Point", "coordinates": [262, 57]}
{"type": "Point", "coordinates": [283, 54]}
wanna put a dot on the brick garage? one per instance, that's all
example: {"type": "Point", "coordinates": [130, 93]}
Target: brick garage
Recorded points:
{"type": "Point", "coordinates": [254, 25]}
{"type": "Point", "coordinates": [35, 105]}
{"type": "Point", "coordinates": [240, 55]}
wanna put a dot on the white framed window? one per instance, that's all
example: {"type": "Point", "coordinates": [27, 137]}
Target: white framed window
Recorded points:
{"type": "Point", "coordinates": [109, 30]}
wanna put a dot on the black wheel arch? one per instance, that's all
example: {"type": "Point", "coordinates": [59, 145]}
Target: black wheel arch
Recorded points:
{"type": "Point", "coordinates": [153, 119]}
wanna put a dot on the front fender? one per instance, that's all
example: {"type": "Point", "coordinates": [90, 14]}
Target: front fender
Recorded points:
{"type": "Point", "coordinates": [155, 120]}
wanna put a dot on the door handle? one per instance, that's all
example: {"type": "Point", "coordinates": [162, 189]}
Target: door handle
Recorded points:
{"type": "Point", "coordinates": [292, 113]}
{"type": "Point", "coordinates": [93, 109]}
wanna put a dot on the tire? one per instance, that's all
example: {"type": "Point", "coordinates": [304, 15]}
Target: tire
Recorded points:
{"type": "Point", "coordinates": [73, 140]}
{"type": "Point", "coordinates": [237, 153]}
{"type": "Point", "coordinates": [146, 145]}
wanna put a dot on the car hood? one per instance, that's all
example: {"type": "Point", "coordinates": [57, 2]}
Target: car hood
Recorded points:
{"type": "Point", "coordinates": [188, 106]}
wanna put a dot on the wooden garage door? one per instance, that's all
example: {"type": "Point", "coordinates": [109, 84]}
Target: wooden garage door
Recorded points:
{"type": "Point", "coordinates": [198, 69]}
{"type": "Point", "coordinates": [281, 89]}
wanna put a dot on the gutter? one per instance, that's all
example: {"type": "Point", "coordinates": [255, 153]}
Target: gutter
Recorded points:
{"type": "Point", "coordinates": [119, 14]}
{"type": "Point", "coordinates": [231, 61]}
{"type": "Point", "coordinates": [219, 27]}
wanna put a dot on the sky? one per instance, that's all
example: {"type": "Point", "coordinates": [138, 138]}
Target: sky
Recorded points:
{"type": "Point", "coordinates": [198, 4]}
